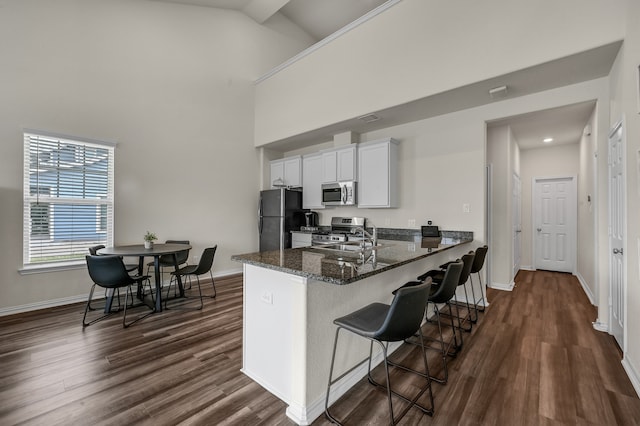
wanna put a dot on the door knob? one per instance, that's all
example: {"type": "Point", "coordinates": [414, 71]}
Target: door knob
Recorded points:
{"type": "Point", "coordinates": [539, 229]}
{"type": "Point", "coordinates": [616, 251]}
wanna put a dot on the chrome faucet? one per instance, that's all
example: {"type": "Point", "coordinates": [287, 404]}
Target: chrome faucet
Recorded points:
{"type": "Point", "coordinates": [372, 238]}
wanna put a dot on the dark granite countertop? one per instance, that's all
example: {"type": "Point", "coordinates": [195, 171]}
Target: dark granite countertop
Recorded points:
{"type": "Point", "coordinates": [339, 267]}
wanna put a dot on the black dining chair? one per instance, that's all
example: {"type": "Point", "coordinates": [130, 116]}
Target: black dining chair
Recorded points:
{"type": "Point", "coordinates": [109, 272]}
{"type": "Point", "coordinates": [382, 324]}
{"type": "Point", "coordinates": [204, 266]}
{"type": "Point", "coordinates": [93, 251]}
{"type": "Point", "coordinates": [166, 260]}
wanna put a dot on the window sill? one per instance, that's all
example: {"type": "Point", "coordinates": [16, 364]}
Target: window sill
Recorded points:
{"type": "Point", "coordinates": [41, 269]}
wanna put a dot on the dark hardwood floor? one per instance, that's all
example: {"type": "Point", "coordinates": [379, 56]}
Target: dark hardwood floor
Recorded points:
{"type": "Point", "coordinates": [532, 359]}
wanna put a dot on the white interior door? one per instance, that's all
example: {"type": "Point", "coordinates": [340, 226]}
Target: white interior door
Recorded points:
{"type": "Point", "coordinates": [517, 222]}
{"type": "Point", "coordinates": [616, 232]}
{"type": "Point", "coordinates": [554, 225]}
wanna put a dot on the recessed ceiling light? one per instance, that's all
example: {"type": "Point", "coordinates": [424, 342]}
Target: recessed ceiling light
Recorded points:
{"type": "Point", "coordinates": [547, 140]}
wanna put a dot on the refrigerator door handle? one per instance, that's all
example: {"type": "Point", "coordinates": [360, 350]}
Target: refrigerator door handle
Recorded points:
{"type": "Point", "coordinates": [260, 216]}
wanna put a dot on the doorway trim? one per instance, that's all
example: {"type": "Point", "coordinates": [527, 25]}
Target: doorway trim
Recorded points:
{"type": "Point", "coordinates": [573, 245]}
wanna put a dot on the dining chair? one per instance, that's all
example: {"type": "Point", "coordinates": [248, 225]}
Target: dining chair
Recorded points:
{"type": "Point", "coordinates": [205, 265]}
{"type": "Point", "coordinates": [93, 251]}
{"type": "Point", "coordinates": [166, 260]}
{"type": "Point", "coordinates": [109, 272]}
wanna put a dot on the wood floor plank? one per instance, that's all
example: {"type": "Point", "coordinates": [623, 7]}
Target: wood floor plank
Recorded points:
{"type": "Point", "coordinates": [533, 358]}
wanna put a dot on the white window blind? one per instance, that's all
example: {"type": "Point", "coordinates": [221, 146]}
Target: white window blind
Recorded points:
{"type": "Point", "coordinates": [68, 198]}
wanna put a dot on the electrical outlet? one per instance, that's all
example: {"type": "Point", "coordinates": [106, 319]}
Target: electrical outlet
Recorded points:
{"type": "Point", "coordinates": [466, 208]}
{"type": "Point", "coordinates": [196, 259]}
{"type": "Point", "coordinates": [411, 247]}
{"type": "Point", "coordinates": [412, 223]}
{"type": "Point", "coordinates": [387, 221]}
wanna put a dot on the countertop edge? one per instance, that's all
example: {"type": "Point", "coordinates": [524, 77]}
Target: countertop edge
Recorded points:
{"type": "Point", "coordinates": [344, 281]}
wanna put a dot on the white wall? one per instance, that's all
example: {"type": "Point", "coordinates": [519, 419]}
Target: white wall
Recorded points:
{"type": "Point", "coordinates": [588, 198]}
{"type": "Point", "coordinates": [442, 167]}
{"type": "Point", "coordinates": [625, 103]}
{"type": "Point", "coordinates": [499, 156]}
{"type": "Point", "coordinates": [419, 48]}
{"type": "Point", "coordinates": [172, 84]}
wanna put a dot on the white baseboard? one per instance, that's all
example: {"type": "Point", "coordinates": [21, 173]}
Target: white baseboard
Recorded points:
{"type": "Point", "coordinates": [586, 289]}
{"type": "Point", "coordinates": [43, 305]}
{"type": "Point", "coordinates": [600, 326]}
{"type": "Point", "coordinates": [527, 268]}
{"type": "Point", "coordinates": [632, 372]}
{"type": "Point", "coordinates": [503, 287]}
{"type": "Point", "coordinates": [29, 307]}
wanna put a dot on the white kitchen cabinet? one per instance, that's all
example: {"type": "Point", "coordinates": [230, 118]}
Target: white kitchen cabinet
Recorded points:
{"type": "Point", "coordinates": [287, 170]}
{"type": "Point", "coordinates": [377, 174]}
{"type": "Point", "coordinates": [300, 239]}
{"type": "Point", "coordinates": [329, 163]}
{"type": "Point", "coordinates": [312, 181]}
{"type": "Point", "coordinates": [339, 165]}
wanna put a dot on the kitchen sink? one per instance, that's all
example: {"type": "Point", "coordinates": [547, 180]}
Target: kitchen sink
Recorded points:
{"type": "Point", "coordinates": [350, 246]}
{"type": "Point", "coordinates": [353, 265]}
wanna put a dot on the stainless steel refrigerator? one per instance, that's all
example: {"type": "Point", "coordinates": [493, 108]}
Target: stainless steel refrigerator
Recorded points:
{"type": "Point", "coordinates": [279, 212]}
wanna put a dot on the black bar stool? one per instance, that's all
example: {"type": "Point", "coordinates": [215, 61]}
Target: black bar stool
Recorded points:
{"type": "Point", "coordinates": [478, 263]}
{"type": "Point", "coordinates": [437, 275]}
{"type": "Point", "coordinates": [380, 323]}
{"type": "Point", "coordinates": [439, 295]}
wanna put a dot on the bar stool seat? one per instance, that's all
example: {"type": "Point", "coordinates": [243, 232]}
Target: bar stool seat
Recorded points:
{"type": "Point", "coordinates": [380, 323]}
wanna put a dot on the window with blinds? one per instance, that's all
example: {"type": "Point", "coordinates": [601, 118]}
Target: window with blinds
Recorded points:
{"type": "Point", "coordinates": [68, 198]}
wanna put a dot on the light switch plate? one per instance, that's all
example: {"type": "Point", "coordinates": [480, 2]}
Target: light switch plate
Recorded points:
{"type": "Point", "coordinates": [267, 297]}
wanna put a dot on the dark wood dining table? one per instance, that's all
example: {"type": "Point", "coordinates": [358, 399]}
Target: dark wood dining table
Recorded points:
{"type": "Point", "coordinates": [138, 250]}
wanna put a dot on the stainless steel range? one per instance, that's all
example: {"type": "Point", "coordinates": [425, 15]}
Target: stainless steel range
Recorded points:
{"type": "Point", "coordinates": [341, 230]}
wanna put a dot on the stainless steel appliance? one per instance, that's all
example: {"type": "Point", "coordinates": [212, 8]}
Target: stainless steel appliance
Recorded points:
{"type": "Point", "coordinates": [339, 194]}
{"type": "Point", "coordinates": [341, 230]}
{"type": "Point", "coordinates": [279, 212]}
{"type": "Point", "coordinates": [311, 219]}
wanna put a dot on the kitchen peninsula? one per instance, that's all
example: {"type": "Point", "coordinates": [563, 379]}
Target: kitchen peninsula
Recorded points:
{"type": "Point", "coordinates": [291, 297]}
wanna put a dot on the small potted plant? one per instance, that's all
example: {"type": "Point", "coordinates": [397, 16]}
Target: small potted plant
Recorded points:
{"type": "Point", "coordinates": [149, 238]}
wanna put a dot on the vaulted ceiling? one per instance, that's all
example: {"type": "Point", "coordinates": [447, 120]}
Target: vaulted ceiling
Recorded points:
{"type": "Point", "coordinates": [321, 18]}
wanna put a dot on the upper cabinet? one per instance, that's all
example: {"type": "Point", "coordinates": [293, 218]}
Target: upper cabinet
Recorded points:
{"type": "Point", "coordinates": [312, 181]}
{"type": "Point", "coordinates": [286, 172]}
{"type": "Point", "coordinates": [340, 164]}
{"type": "Point", "coordinates": [377, 174]}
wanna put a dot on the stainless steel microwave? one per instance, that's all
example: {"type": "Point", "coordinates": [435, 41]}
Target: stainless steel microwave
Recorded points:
{"type": "Point", "coordinates": [339, 194]}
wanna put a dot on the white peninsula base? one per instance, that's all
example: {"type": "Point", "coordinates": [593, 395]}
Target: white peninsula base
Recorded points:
{"type": "Point", "coordinates": [288, 330]}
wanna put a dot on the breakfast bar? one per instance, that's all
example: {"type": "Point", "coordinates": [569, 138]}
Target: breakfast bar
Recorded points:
{"type": "Point", "coordinates": [292, 296]}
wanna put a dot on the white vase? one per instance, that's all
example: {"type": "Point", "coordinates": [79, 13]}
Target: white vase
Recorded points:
{"type": "Point", "coordinates": [148, 244]}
